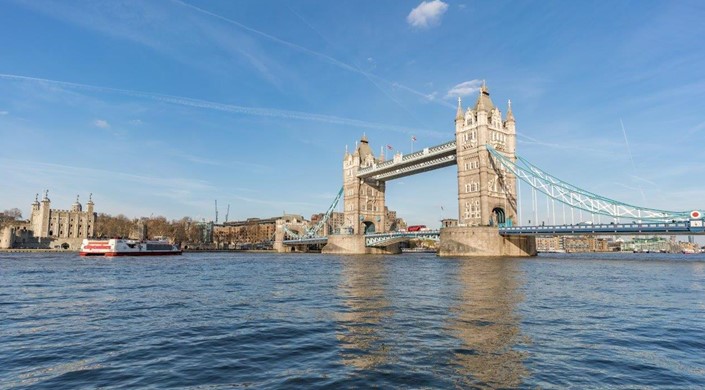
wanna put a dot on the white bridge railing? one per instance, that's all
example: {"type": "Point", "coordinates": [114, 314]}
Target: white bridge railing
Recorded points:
{"type": "Point", "coordinates": [384, 239]}
{"type": "Point", "coordinates": [408, 160]}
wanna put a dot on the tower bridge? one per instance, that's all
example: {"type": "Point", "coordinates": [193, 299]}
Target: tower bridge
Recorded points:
{"type": "Point", "coordinates": [484, 152]}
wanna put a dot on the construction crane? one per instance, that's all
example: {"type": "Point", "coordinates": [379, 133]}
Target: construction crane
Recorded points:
{"type": "Point", "coordinates": [227, 213]}
{"type": "Point", "coordinates": [216, 211]}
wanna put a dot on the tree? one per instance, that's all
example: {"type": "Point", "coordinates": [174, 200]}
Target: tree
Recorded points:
{"type": "Point", "coordinates": [9, 216]}
{"type": "Point", "coordinates": [109, 226]}
{"type": "Point", "coordinates": [13, 213]}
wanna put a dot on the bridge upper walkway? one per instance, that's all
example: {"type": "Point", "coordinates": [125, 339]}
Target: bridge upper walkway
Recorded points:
{"type": "Point", "coordinates": [401, 165]}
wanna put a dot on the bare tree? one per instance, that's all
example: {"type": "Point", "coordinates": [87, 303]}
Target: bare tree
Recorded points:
{"type": "Point", "coordinates": [13, 213]}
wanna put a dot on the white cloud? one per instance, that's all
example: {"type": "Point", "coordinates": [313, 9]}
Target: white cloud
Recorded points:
{"type": "Point", "coordinates": [4, 113]}
{"type": "Point", "coordinates": [465, 88]}
{"type": "Point", "coordinates": [103, 124]}
{"type": "Point", "coordinates": [136, 122]}
{"type": "Point", "coordinates": [427, 14]}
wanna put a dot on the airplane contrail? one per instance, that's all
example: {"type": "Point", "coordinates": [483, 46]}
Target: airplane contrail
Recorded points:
{"type": "Point", "coordinates": [314, 53]}
{"type": "Point", "coordinates": [197, 103]}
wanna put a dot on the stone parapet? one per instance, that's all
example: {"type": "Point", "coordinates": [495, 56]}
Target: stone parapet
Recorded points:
{"type": "Point", "coordinates": [350, 244]}
{"type": "Point", "coordinates": [483, 241]}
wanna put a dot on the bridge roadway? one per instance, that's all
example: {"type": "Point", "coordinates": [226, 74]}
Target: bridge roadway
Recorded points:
{"type": "Point", "coordinates": [401, 165]}
{"type": "Point", "coordinates": [375, 239]}
{"type": "Point", "coordinates": [671, 228]}
{"type": "Point", "coordinates": [693, 227]}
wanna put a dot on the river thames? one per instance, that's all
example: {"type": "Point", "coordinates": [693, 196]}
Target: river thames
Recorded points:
{"type": "Point", "coordinates": [212, 320]}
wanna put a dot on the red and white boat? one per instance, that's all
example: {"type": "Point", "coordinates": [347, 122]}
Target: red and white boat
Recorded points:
{"type": "Point", "coordinates": [125, 247]}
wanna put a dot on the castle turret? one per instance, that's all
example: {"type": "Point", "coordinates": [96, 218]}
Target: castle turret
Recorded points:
{"type": "Point", "coordinates": [35, 204]}
{"type": "Point", "coordinates": [90, 204]}
{"type": "Point", "coordinates": [41, 223]}
{"type": "Point", "coordinates": [76, 206]}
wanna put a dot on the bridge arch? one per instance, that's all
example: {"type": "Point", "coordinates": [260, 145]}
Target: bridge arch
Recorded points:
{"type": "Point", "coordinates": [499, 216]}
{"type": "Point", "coordinates": [369, 227]}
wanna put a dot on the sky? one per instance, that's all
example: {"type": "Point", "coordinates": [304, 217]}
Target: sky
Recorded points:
{"type": "Point", "coordinates": [162, 107]}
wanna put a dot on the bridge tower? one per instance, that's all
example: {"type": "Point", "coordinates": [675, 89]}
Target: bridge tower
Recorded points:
{"type": "Point", "coordinates": [486, 192]}
{"type": "Point", "coordinates": [363, 200]}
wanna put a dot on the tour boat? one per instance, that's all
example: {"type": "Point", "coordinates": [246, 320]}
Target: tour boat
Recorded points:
{"type": "Point", "coordinates": [125, 247]}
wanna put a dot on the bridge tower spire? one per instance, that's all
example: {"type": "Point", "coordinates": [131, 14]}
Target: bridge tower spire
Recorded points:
{"type": "Point", "coordinates": [486, 192]}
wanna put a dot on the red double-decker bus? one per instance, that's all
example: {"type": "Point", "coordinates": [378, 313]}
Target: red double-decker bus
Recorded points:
{"type": "Point", "coordinates": [415, 228]}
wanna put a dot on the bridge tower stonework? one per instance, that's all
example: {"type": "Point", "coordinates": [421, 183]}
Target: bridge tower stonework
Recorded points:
{"type": "Point", "coordinates": [487, 192]}
{"type": "Point", "coordinates": [363, 203]}
{"type": "Point", "coordinates": [363, 200]}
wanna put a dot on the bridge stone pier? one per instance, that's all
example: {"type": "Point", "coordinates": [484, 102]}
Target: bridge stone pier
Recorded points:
{"type": "Point", "coordinates": [486, 190]}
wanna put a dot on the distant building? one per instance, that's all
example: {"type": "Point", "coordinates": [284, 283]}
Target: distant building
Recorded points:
{"type": "Point", "coordinates": [650, 244]}
{"type": "Point", "coordinates": [549, 244]}
{"type": "Point", "coordinates": [572, 244]}
{"type": "Point", "coordinates": [585, 244]}
{"type": "Point", "coordinates": [336, 221]}
{"type": "Point", "coordinates": [393, 222]}
{"type": "Point", "coordinates": [49, 228]}
{"type": "Point", "coordinates": [252, 231]}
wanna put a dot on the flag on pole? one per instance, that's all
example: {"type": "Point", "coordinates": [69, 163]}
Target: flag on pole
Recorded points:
{"type": "Point", "coordinates": [389, 147]}
{"type": "Point", "coordinates": [413, 138]}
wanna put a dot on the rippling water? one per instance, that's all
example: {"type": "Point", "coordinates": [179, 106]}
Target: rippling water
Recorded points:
{"type": "Point", "coordinates": [310, 321]}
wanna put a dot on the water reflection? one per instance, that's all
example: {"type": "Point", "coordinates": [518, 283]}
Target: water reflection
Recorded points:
{"type": "Point", "coordinates": [485, 322]}
{"type": "Point", "coordinates": [362, 289]}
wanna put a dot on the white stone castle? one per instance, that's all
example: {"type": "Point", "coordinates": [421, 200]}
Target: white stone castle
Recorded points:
{"type": "Point", "coordinates": [49, 228]}
{"type": "Point", "coordinates": [74, 223]}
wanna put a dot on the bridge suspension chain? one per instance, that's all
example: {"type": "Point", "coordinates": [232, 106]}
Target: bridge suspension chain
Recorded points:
{"type": "Point", "coordinates": [578, 198]}
{"type": "Point", "coordinates": [314, 230]}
